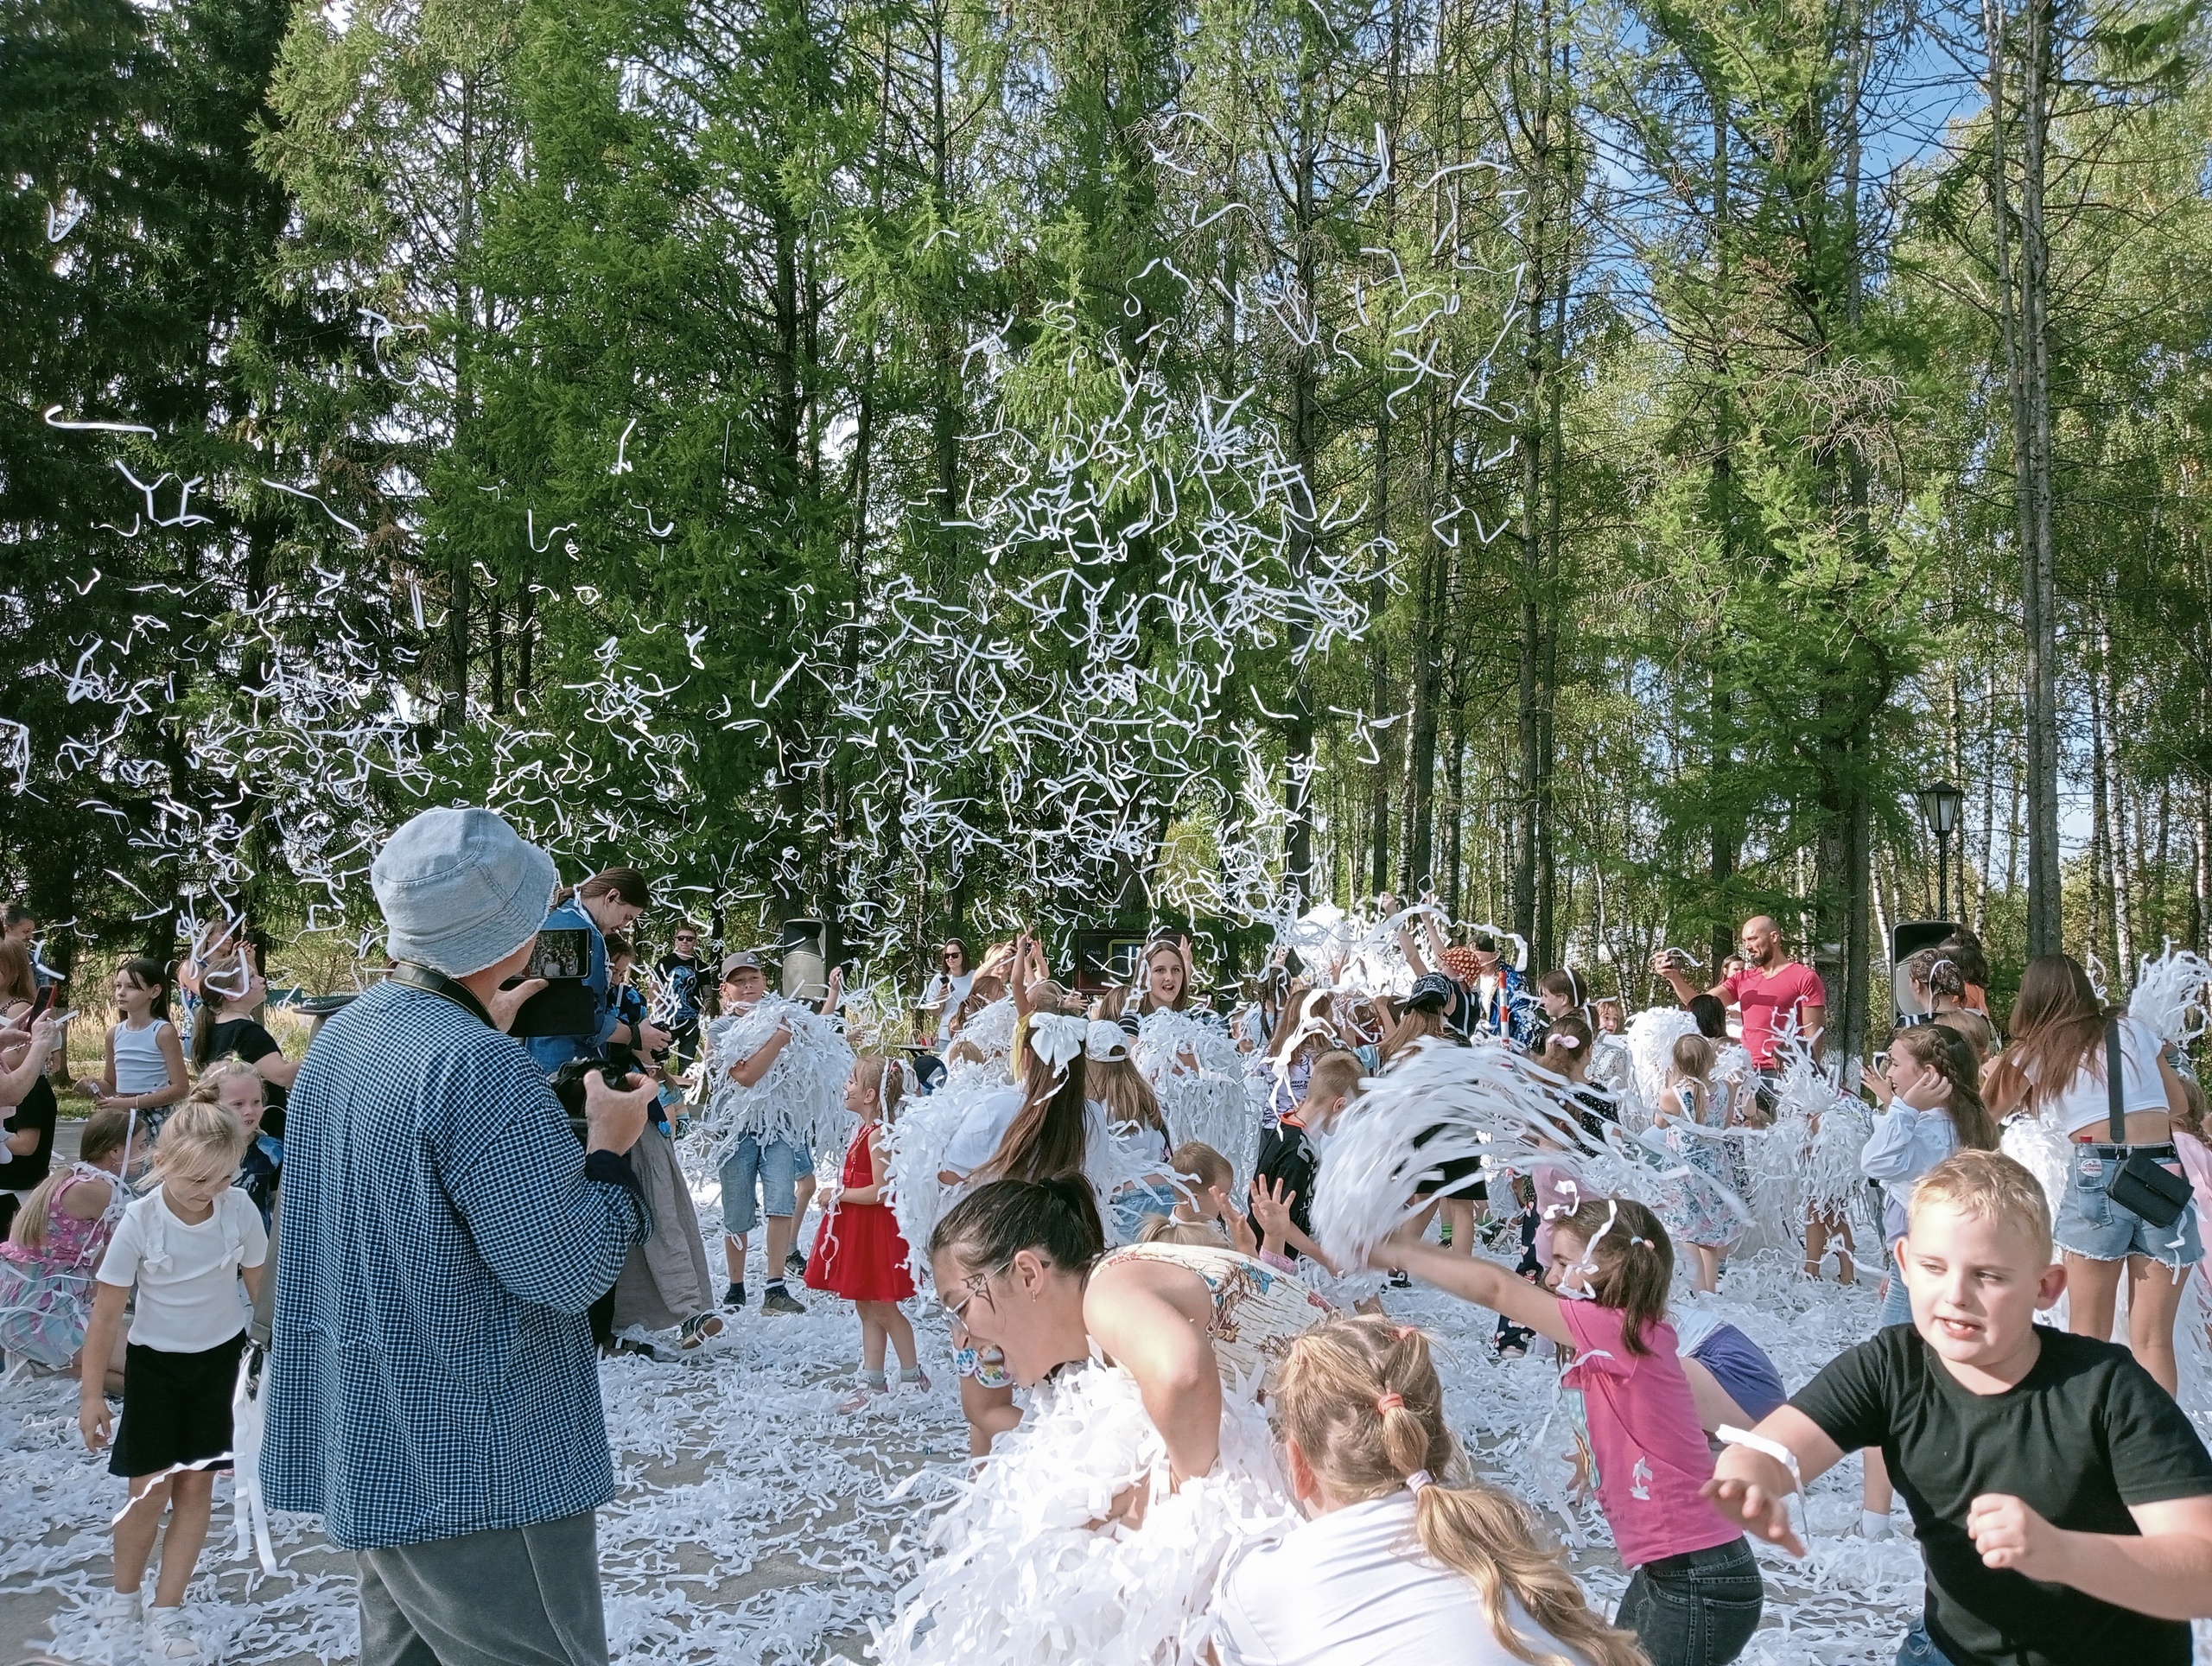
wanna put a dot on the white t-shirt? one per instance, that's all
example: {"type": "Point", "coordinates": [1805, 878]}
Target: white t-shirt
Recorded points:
{"type": "Point", "coordinates": [1354, 1588]}
{"type": "Point", "coordinates": [188, 1276]}
{"type": "Point", "coordinates": [978, 1136]}
{"type": "Point", "coordinates": [2141, 1087]}
{"type": "Point", "coordinates": [942, 993]}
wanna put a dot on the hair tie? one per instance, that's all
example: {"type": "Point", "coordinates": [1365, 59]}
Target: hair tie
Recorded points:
{"type": "Point", "coordinates": [1417, 1480]}
{"type": "Point", "coordinates": [1568, 1043]}
{"type": "Point", "coordinates": [1634, 1241]}
{"type": "Point", "coordinates": [1391, 1402]}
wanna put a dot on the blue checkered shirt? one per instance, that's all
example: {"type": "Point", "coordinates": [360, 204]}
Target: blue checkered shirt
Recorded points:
{"type": "Point", "coordinates": [431, 1371]}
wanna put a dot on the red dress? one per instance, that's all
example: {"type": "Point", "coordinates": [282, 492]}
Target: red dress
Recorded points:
{"type": "Point", "coordinates": [858, 1253]}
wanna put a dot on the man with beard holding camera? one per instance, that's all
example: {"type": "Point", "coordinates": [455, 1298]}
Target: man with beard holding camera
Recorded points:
{"type": "Point", "coordinates": [433, 1391]}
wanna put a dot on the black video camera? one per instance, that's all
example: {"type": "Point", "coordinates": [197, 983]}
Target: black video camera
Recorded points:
{"type": "Point", "coordinates": [568, 1088]}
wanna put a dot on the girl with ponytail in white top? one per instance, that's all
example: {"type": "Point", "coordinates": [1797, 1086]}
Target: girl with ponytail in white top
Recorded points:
{"type": "Point", "coordinates": [1404, 1557]}
{"type": "Point", "coordinates": [146, 1056]}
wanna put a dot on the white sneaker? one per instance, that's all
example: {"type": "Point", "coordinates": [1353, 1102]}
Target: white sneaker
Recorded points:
{"type": "Point", "coordinates": [169, 1640]}
{"type": "Point", "coordinates": [120, 1610]}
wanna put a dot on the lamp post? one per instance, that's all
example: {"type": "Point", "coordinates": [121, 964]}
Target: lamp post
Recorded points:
{"type": "Point", "coordinates": [1940, 803]}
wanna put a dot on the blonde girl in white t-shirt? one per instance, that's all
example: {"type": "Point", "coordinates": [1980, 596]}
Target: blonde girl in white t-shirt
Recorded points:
{"type": "Point", "coordinates": [184, 1249]}
{"type": "Point", "coordinates": [1404, 1557]}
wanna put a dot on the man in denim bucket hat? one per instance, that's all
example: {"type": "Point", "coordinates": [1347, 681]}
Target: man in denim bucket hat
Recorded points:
{"type": "Point", "coordinates": [433, 1391]}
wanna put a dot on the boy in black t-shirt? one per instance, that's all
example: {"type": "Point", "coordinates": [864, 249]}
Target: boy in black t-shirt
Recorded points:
{"type": "Point", "coordinates": [2062, 1502]}
{"type": "Point", "coordinates": [1290, 1158]}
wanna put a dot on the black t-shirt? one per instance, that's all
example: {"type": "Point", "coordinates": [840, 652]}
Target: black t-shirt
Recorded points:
{"type": "Point", "coordinates": [2085, 1434]}
{"type": "Point", "coordinates": [22, 1172]}
{"type": "Point", "coordinates": [681, 979]}
{"type": "Point", "coordinates": [241, 1038]}
{"type": "Point", "coordinates": [1286, 1156]}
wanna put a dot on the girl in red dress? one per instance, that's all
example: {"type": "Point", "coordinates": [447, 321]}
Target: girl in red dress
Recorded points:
{"type": "Point", "coordinates": [858, 1252]}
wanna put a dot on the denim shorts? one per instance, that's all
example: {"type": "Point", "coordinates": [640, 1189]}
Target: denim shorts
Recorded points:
{"type": "Point", "coordinates": [2091, 1226]}
{"type": "Point", "coordinates": [1918, 1648]}
{"type": "Point", "coordinates": [775, 1166]}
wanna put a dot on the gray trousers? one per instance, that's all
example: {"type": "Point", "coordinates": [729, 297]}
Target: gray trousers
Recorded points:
{"type": "Point", "coordinates": [516, 1596]}
{"type": "Point", "coordinates": [664, 1281]}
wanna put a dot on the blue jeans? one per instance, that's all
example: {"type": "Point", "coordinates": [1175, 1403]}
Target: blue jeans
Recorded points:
{"type": "Point", "coordinates": [1918, 1648]}
{"type": "Point", "coordinates": [775, 1167]}
{"type": "Point", "coordinates": [1698, 1609]}
{"type": "Point", "coordinates": [2092, 1225]}
{"type": "Point", "coordinates": [1896, 1302]}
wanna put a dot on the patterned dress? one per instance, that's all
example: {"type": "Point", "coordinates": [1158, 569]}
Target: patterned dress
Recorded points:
{"type": "Point", "coordinates": [45, 1293]}
{"type": "Point", "coordinates": [1696, 1206]}
{"type": "Point", "coordinates": [1258, 1312]}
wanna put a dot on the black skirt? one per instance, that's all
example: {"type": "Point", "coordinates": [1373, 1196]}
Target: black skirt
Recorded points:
{"type": "Point", "coordinates": [177, 1407]}
{"type": "Point", "coordinates": [1456, 1178]}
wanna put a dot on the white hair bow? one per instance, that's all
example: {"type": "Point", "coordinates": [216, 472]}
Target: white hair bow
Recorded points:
{"type": "Point", "coordinates": [1104, 1040]}
{"type": "Point", "coordinates": [1059, 1038]}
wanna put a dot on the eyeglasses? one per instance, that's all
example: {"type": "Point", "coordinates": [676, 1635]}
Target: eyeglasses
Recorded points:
{"type": "Point", "coordinates": [685, 936]}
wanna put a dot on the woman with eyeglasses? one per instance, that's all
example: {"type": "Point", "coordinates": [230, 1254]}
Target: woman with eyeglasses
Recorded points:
{"type": "Point", "coordinates": [1146, 1367]}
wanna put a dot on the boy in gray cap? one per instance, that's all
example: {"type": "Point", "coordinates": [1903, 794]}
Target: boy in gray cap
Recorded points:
{"type": "Point", "coordinates": [433, 1390]}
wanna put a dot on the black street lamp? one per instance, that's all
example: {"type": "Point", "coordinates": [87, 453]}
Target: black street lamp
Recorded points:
{"type": "Point", "coordinates": [1941, 804]}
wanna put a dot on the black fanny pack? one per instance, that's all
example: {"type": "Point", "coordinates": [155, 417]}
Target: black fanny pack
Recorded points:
{"type": "Point", "coordinates": [2142, 1185]}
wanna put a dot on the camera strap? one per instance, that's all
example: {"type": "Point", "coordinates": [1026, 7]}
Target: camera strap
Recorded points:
{"type": "Point", "coordinates": [416, 975]}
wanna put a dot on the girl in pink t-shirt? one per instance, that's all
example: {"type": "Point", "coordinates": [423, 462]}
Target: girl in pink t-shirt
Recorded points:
{"type": "Point", "coordinates": [1694, 1592]}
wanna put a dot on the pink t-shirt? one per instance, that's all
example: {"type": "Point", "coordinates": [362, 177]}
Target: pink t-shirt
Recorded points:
{"type": "Point", "coordinates": [1768, 999]}
{"type": "Point", "coordinates": [1651, 1453]}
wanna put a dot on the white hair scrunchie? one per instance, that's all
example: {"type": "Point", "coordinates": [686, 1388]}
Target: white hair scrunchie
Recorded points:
{"type": "Point", "coordinates": [1417, 1480]}
{"type": "Point", "coordinates": [1104, 1040]}
{"type": "Point", "coordinates": [1059, 1038]}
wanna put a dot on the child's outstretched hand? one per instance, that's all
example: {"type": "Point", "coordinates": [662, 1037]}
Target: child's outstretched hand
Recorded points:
{"type": "Point", "coordinates": [1271, 1202]}
{"type": "Point", "coordinates": [2009, 1533]}
{"type": "Point", "coordinates": [95, 1421]}
{"type": "Point", "coordinates": [1232, 1221]}
{"type": "Point", "coordinates": [1757, 1509]}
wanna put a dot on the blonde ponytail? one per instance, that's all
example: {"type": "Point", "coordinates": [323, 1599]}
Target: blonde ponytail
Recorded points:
{"type": "Point", "coordinates": [1360, 1398]}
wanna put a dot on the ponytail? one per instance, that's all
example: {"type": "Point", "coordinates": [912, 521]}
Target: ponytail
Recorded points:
{"type": "Point", "coordinates": [1629, 1263]}
{"type": "Point", "coordinates": [1360, 1398]}
{"type": "Point", "coordinates": [1048, 1135]}
{"type": "Point", "coordinates": [1056, 1218]}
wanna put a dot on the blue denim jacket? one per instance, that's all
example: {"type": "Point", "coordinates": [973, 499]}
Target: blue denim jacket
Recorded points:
{"type": "Point", "coordinates": [551, 1051]}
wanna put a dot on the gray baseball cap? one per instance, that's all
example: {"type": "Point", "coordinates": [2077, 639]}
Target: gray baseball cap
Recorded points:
{"type": "Point", "coordinates": [743, 960]}
{"type": "Point", "coordinates": [460, 890]}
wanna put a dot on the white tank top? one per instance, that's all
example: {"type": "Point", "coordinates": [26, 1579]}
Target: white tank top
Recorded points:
{"type": "Point", "coordinates": [139, 1066]}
